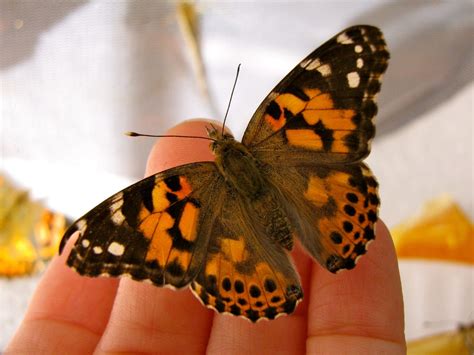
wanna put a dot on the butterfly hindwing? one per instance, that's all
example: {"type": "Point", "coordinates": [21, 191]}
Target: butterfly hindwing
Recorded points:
{"type": "Point", "coordinates": [334, 210]}
{"type": "Point", "coordinates": [323, 109]}
{"type": "Point", "coordinates": [245, 273]}
{"type": "Point", "coordinates": [157, 229]}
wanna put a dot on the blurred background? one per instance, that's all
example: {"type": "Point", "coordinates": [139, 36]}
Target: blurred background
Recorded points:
{"type": "Point", "coordinates": [75, 75]}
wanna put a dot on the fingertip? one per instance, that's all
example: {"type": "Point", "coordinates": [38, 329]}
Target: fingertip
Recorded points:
{"type": "Point", "coordinates": [170, 152]}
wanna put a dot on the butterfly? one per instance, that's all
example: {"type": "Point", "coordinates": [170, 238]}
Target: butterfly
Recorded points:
{"type": "Point", "coordinates": [225, 228]}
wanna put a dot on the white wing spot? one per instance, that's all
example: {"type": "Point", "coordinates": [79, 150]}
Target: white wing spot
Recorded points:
{"type": "Point", "coordinates": [81, 225]}
{"type": "Point", "coordinates": [97, 250]}
{"type": "Point", "coordinates": [325, 70]}
{"type": "Point", "coordinates": [360, 63]}
{"type": "Point", "coordinates": [353, 79]}
{"type": "Point", "coordinates": [343, 38]}
{"type": "Point", "coordinates": [358, 48]}
{"type": "Point", "coordinates": [116, 249]}
{"type": "Point", "coordinates": [315, 63]}
{"type": "Point", "coordinates": [85, 243]}
{"type": "Point", "coordinates": [116, 209]}
{"type": "Point", "coordinates": [372, 48]}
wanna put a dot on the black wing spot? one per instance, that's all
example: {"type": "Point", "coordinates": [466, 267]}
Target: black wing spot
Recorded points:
{"type": "Point", "coordinates": [336, 237]}
{"type": "Point", "coordinates": [371, 181]}
{"type": "Point", "coordinates": [147, 196]}
{"type": "Point", "coordinates": [352, 197]}
{"type": "Point", "coordinates": [369, 109]}
{"type": "Point", "coordinates": [226, 284]}
{"type": "Point", "coordinates": [369, 233]}
{"type": "Point", "coordinates": [275, 299]}
{"type": "Point", "coordinates": [346, 249]}
{"type": "Point", "coordinates": [349, 210]}
{"type": "Point", "coordinates": [172, 198]}
{"type": "Point", "coordinates": [359, 249]}
{"type": "Point", "coordinates": [373, 199]}
{"type": "Point", "coordinates": [242, 301]}
{"type": "Point", "coordinates": [239, 286]}
{"type": "Point", "coordinates": [274, 110]}
{"type": "Point", "coordinates": [252, 315]}
{"type": "Point", "coordinates": [271, 312]}
{"type": "Point", "coordinates": [175, 269]}
{"type": "Point", "coordinates": [220, 306]}
{"type": "Point", "coordinates": [347, 226]}
{"type": "Point", "coordinates": [372, 216]}
{"type": "Point", "coordinates": [270, 285]}
{"type": "Point", "coordinates": [173, 183]}
{"type": "Point", "coordinates": [255, 291]}
{"type": "Point", "coordinates": [235, 310]}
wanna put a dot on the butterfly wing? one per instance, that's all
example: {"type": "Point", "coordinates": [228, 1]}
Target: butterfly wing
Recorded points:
{"type": "Point", "coordinates": [246, 274]}
{"type": "Point", "coordinates": [157, 229]}
{"type": "Point", "coordinates": [322, 111]}
{"type": "Point", "coordinates": [333, 210]}
{"type": "Point", "coordinates": [313, 130]}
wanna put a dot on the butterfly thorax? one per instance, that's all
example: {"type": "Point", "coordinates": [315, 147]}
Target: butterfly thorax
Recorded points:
{"type": "Point", "coordinates": [245, 175]}
{"type": "Point", "coordinates": [238, 167]}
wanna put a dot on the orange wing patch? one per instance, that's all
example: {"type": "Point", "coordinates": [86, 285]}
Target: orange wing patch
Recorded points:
{"type": "Point", "coordinates": [170, 217]}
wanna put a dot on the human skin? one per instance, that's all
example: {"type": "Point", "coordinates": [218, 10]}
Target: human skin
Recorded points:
{"type": "Point", "coordinates": [353, 312]}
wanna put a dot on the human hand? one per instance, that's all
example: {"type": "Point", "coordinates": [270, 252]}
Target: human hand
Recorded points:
{"type": "Point", "coordinates": [357, 312]}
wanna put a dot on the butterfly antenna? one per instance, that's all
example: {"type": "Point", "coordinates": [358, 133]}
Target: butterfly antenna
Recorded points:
{"type": "Point", "coordinates": [231, 95]}
{"type": "Point", "coordinates": [135, 134]}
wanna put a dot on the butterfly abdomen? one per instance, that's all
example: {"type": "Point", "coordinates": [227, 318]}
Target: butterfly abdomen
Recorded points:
{"type": "Point", "coordinates": [277, 225]}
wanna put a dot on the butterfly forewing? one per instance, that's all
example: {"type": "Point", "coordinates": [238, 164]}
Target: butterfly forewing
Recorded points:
{"type": "Point", "coordinates": [323, 110]}
{"type": "Point", "coordinates": [157, 229]}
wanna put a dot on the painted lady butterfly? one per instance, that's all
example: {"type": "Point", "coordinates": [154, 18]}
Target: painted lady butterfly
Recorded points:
{"type": "Point", "coordinates": [225, 227]}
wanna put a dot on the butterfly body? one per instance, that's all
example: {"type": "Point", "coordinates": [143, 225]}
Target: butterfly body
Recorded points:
{"type": "Point", "coordinates": [225, 227]}
{"type": "Point", "coordinates": [245, 178]}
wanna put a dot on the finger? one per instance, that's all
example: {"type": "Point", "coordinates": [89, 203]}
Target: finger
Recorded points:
{"type": "Point", "coordinates": [285, 335]}
{"type": "Point", "coordinates": [68, 312]}
{"type": "Point", "coordinates": [359, 311]}
{"type": "Point", "coordinates": [146, 318]}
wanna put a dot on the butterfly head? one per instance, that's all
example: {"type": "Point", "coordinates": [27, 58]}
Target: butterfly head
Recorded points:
{"type": "Point", "coordinates": [219, 138]}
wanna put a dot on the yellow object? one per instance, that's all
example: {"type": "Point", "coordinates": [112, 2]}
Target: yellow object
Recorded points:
{"type": "Point", "coordinates": [442, 231]}
{"type": "Point", "coordinates": [453, 343]}
{"type": "Point", "coordinates": [29, 232]}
